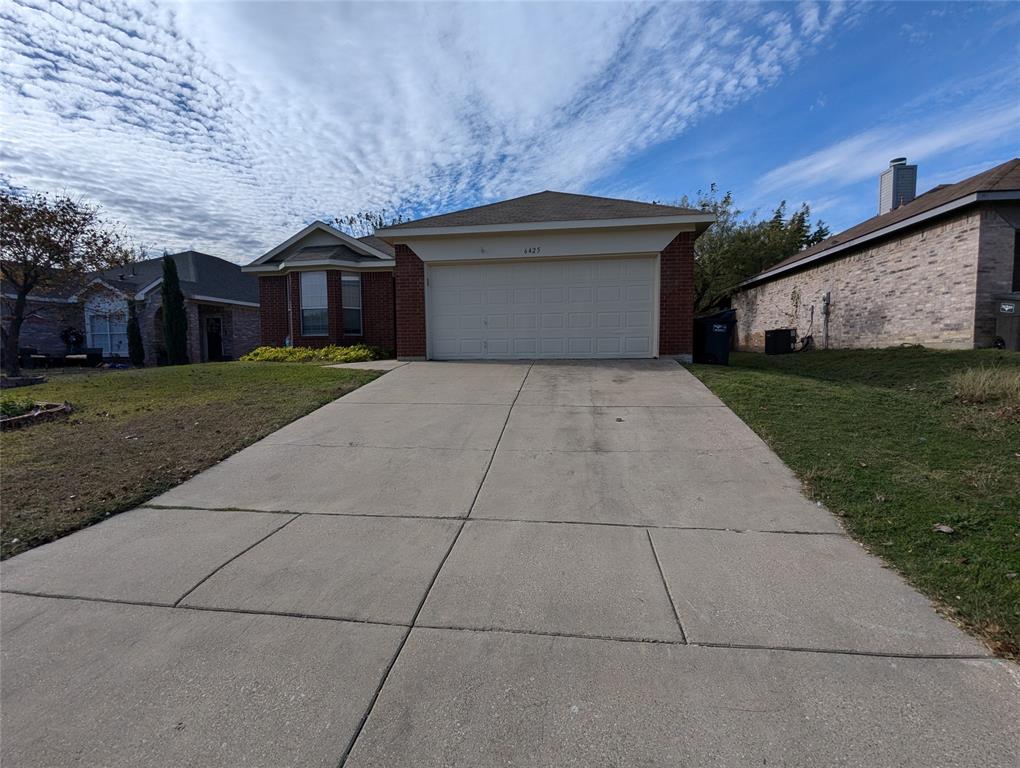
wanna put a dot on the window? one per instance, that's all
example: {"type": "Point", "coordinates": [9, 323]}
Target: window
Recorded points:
{"type": "Point", "coordinates": [314, 305]}
{"type": "Point", "coordinates": [351, 297]}
{"type": "Point", "coordinates": [108, 331]}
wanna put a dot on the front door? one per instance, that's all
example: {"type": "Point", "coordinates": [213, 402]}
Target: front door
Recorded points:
{"type": "Point", "coordinates": [213, 339]}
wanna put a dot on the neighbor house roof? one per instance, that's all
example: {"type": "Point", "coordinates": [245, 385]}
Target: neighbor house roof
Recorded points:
{"type": "Point", "coordinates": [202, 277]}
{"type": "Point", "coordinates": [543, 208]}
{"type": "Point", "coordinates": [998, 183]}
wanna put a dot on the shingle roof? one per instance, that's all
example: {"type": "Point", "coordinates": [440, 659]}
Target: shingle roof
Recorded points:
{"type": "Point", "coordinates": [200, 275]}
{"type": "Point", "coordinates": [547, 206]}
{"type": "Point", "coordinates": [1001, 178]}
{"type": "Point", "coordinates": [378, 243]}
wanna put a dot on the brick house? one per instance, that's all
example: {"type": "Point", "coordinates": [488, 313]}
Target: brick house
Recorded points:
{"type": "Point", "coordinates": [928, 270]}
{"type": "Point", "coordinates": [221, 305]}
{"type": "Point", "coordinates": [549, 275]}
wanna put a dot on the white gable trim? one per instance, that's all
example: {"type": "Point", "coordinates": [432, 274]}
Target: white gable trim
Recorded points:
{"type": "Point", "coordinates": [353, 266]}
{"type": "Point", "coordinates": [321, 226]}
{"type": "Point", "coordinates": [96, 280]}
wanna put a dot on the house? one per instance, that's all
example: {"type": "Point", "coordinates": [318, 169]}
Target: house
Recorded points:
{"type": "Point", "coordinates": [323, 286]}
{"type": "Point", "coordinates": [548, 275]}
{"type": "Point", "coordinates": [928, 270]}
{"type": "Point", "coordinates": [220, 302]}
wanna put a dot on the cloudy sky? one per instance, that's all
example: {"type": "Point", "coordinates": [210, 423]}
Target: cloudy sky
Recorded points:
{"type": "Point", "coordinates": [227, 126]}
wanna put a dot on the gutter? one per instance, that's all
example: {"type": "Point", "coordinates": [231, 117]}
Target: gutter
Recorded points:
{"type": "Point", "coordinates": [285, 266]}
{"type": "Point", "coordinates": [400, 233]}
{"type": "Point", "coordinates": [963, 202]}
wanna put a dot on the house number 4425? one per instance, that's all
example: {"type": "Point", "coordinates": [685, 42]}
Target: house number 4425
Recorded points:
{"type": "Point", "coordinates": [533, 249]}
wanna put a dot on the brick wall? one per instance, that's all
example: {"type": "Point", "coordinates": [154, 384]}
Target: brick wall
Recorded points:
{"type": "Point", "coordinates": [410, 303]}
{"type": "Point", "coordinates": [44, 322]}
{"type": "Point", "coordinates": [377, 303]}
{"type": "Point", "coordinates": [273, 310]}
{"type": "Point", "coordinates": [917, 288]}
{"type": "Point", "coordinates": [676, 297]}
{"type": "Point", "coordinates": [246, 329]}
{"type": "Point", "coordinates": [999, 224]}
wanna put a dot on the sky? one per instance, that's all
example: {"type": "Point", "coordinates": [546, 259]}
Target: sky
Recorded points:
{"type": "Point", "coordinates": [227, 126]}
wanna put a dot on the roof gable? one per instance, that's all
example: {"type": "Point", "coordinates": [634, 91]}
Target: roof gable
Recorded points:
{"type": "Point", "coordinates": [332, 245]}
{"type": "Point", "coordinates": [545, 206]}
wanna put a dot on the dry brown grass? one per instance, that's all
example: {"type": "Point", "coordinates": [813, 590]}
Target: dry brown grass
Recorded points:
{"type": "Point", "coordinates": [987, 385]}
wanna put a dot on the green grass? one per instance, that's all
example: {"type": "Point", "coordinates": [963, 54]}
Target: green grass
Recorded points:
{"type": "Point", "coordinates": [894, 442]}
{"type": "Point", "coordinates": [135, 433]}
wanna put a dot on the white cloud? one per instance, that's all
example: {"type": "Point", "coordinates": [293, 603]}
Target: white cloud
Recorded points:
{"type": "Point", "coordinates": [226, 126]}
{"type": "Point", "coordinates": [863, 155]}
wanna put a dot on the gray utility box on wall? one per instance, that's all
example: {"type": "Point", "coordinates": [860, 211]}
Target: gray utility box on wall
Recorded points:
{"type": "Point", "coordinates": [1007, 322]}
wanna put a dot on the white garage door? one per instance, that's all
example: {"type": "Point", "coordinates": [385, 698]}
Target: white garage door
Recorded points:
{"type": "Point", "coordinates": [570, 309]}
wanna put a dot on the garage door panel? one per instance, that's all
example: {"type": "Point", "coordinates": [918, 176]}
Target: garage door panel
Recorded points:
{"type": "Point", "coordinates": [570, 308]}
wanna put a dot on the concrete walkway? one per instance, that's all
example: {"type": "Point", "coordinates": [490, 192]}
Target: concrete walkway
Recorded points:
{"type": "Point", "coordinates": [471, 565]}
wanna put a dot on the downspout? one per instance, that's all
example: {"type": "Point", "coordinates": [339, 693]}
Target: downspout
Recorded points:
{"type": "Point", "coordinates": [288, 341]}
{"type": "Point", "coordinates": [825, 320]}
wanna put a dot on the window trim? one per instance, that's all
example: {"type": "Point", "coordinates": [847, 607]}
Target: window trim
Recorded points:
{"type": "Point", "coordinates": [91, 337]}
{"type": "Point", "coordinates": [302, 307]}
{"type": "Point", "coordinates": [351, 277]}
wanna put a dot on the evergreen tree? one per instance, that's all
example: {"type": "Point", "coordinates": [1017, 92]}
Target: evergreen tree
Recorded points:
{"type": "Point", "coordinates": [175, 322]}
{"type": "Point", "coordinates": [136, 351]}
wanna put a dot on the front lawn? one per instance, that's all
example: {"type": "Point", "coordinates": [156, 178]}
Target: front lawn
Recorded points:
{"type": "Point", "coordinates": [897, 442]}
{"type": "Point", "coordinates": [134, 434]}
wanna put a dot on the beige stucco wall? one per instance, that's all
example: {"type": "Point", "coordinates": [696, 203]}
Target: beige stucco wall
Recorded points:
{"type": "Point", "coordinates": [915, 289]}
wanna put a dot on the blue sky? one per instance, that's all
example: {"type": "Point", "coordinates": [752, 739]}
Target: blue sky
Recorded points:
{"type": "Point", "coordinates": [227, 126]}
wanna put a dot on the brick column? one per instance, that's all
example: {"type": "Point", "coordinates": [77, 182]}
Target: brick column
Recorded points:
{"type": "Point", "coordinates": [273, 310]}
{"type": "Point", "coordinates": [676, 297]}
{"type": "Point", "coordinates": [410, 300]}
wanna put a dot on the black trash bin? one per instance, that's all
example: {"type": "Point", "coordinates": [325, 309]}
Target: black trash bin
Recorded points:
{"type": "Point", "coordinates": [713, 336]}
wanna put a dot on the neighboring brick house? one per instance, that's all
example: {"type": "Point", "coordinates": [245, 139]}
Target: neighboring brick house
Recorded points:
{"type": "Point", "coordinates": [220, 302]}
{"type": "Point", "coordinates": [931, 270]}
{"type": "Point", "coordinates": [549, 275]}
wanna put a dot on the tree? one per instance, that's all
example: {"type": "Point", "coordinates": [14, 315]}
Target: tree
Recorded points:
{"type": "Point", "coordinates": [136, 350]}
{"type": "Point", "coordinates": [365, 223]}
{"type": "Point", "coordinates": [738, 246]}
{"type": "Point", "coordinates": [46, 242]}
{"type": "Point", "coordinates": [175, 321]}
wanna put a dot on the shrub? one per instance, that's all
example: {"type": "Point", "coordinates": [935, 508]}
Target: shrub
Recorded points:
{"type": "Point", "coordinates": [987, 385]}
{"type": "Point", "coordinates": [331, 354]}
{"type": "Point", "coordinates": [15, 407]}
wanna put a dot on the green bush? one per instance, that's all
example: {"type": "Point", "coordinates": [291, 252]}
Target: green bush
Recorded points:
{"type": "Point", "coordinates": [331, 354]}
{"type": "Point", "coordinates": [15, 407]}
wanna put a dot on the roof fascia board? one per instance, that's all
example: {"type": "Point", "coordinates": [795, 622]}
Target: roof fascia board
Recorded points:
{"type": "Point", "coordinates": [143, 291]}
{"type": "Point", "coordinates": [77, 296]}
{"type": "Point", "coordinates": [395, 235]}
{"type": "Point", "coordinates": [949, 207]}
{"type": "Point", "coordinates": [217, 300]}
{"type": "Point", "coordinates": [43, 299]}
{"type": "Point", "coordinates": [354, 266]}
{"type": "Point", "coordinates": [353, 242]}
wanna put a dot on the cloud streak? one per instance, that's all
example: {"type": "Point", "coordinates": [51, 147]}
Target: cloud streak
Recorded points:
{"type": "Point", "coordinates": [225, 127]}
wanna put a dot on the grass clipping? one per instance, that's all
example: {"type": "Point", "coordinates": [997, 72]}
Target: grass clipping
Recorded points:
{"type": "Point", "coordinates": [330, 354]}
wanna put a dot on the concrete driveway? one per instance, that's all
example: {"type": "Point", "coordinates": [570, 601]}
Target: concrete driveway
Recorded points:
{"type": "Point", "coordinates": [491, 564]}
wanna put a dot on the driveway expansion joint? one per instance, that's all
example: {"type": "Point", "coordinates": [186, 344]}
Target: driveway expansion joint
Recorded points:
{"type": "Point", "coordinates": [513, 631]}
{"type": "Point", "coordinates": [232, 559]}
{"type": "Point", "coordinates": [665, 584]}
{"type": "Point", "coordinates": [414, 619]}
